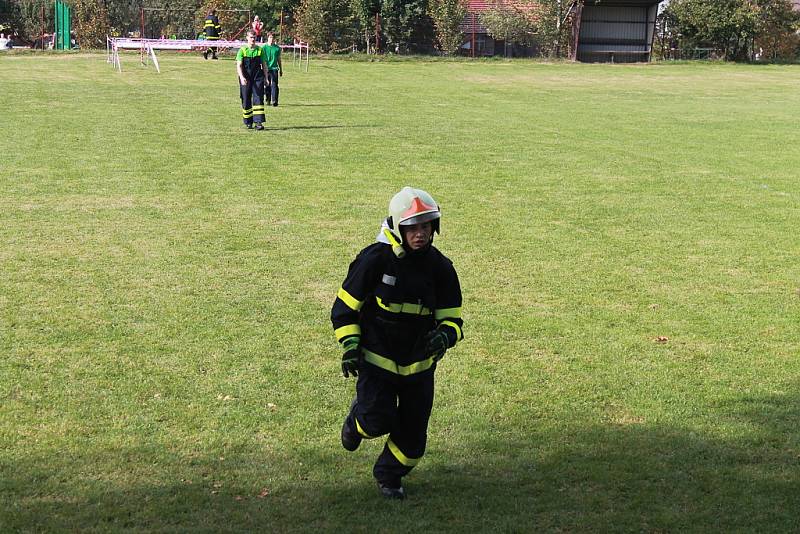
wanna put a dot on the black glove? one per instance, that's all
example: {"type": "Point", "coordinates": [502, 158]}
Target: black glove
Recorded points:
{"type": "Point", "coordinates": [351, 359]}
{"type": "Point", "coordinates": [436, 344]}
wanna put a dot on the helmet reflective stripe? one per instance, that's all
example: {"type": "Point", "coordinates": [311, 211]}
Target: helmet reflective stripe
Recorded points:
{"type": "Point", "coordinates": [412, 206]}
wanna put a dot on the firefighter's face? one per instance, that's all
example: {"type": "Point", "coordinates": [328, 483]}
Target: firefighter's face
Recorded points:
{"type": "Point", "coordinates": [417, 235]}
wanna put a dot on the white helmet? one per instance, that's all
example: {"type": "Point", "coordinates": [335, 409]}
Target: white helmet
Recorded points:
{"type": "Point", "coordinates": [411, 206]}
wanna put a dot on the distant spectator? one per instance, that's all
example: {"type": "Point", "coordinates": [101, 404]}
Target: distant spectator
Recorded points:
{"type": "Point", "coordinates": [272, 55]}
{"type": "Point", "coordinates": [211, 28]}
{"type": "Point", "coordinates": [5, 43]}
{"type": "Point", "coordinates": [258, 27]}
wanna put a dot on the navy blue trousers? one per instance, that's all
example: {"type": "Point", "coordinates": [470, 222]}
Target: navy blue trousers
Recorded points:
{"type": "Point", "coordinates": [271, 90]}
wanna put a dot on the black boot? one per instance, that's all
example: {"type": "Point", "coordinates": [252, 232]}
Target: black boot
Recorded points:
{"type": "Point", "coordinates": [391, 492]}
{"type": "Point", "coordinates": [351, 439]}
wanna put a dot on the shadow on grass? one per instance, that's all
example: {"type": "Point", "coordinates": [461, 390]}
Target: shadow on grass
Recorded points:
{"type": "Point", "coordinates": [602, 478]}
{"type": "Point", "coordinates": [322, 105]}
{"type": "Point", "coordinates": [321, 127]}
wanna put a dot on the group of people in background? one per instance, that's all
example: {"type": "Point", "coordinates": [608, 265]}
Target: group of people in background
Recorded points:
{"type": "Point", "coordinates": [259, 67]}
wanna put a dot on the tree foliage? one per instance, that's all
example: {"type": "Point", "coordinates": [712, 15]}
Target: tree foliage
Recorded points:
{"type": "Point", "coordinates": [232, 23]}
{"type": "Point", "coordinates": [552, 26]}
{"type": "Point", "coordinates": [364, 13]}
{"type": "Point", "coordinates": [732, 26]}
{"type": "Point", "coordinates": [777, 37]}
{"type": "Point", "coordinates": [407, 25]}
{"type": "Point", "coordinates": [90, 21]}
{"type": "Point", "coordinates": [25, 18]}
{"type": "Point", "coordinates": [447, 16]}
{"type": "Point", "coordinates": [508, 23]}
{"type": "Point", "coordinates": [327, 25]}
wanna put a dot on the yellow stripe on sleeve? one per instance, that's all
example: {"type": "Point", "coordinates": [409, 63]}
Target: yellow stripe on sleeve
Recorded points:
{"type": "Point", "coordinates": [352, 302]}
{"type": "Point", "coordinates": [347, 330]}
{"type": "Point", "coordinates": [459, 333]}
{"type": "Point", "coordinates": [444, 313]}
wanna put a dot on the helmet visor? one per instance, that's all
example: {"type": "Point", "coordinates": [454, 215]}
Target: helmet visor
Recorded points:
{"type": "Point", "coordinates": [421, 218]}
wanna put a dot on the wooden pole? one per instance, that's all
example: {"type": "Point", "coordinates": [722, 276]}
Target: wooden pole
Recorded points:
{"type": "Point", "coordinates": [473, 35]}
{"type": "Point", "coordinates": [576, 30]}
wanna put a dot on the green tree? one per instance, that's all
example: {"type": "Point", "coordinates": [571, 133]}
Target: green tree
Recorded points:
{"type": "Point", "coordinates": [727, 25]}
{"type": "Point", "coordinates": [90, 21]}
{"type": "Point", "coordinates": [776, 37]}
{"type": "Point", "coordinates": [407, 26]}
{"type": "Point", "coordinates": [447, 16]}
{"type": "Point", "coordinates": [231, 22]}
{"type": "Point", "coordinates": [552, 23]}
{"type": "Point", "coordinates": [509, 24]}
{"type": "Point", "coordinates": [327, 25]}
{"type": "Point", "coordinates": [270, 13]}
{"type": "Point", "coordinates": [8, 14]}
{"type": "Point", "coordinates": [364, 12]}
{"type": "Point", "coordinates": [25, 17]}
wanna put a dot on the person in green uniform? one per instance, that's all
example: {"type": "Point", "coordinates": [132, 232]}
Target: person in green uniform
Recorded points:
{"type": "Point", "coordinates": [272, 53]}
{"type": "Point", "coordinates": [250, 67]}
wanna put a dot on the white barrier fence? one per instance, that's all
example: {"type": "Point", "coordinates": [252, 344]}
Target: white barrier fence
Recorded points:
{"type": "Point", "coordinates": [148, 47]}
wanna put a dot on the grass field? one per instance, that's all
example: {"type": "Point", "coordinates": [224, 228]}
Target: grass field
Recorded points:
{"type": "Point", "coordinates": [166, 357]}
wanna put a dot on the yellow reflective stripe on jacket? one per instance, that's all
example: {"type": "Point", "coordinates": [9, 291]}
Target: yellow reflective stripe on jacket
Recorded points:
{"type": "Point", "coordinates": [361, 430]}
{"type": "Point", "coordinates": [392, 367]}
{"type": "Point", "coordinates": [459, 333]}
{"type": "Point", "coordinates": [444, 313]}
{"type": "Point", "coordinates": [347, 330]}
{"type": "Point", "coordinates": [402, 458]}
{"type": "Point", "coordinates": [405, 307]}
{"type": "Point", "coordinates": [352, 302]}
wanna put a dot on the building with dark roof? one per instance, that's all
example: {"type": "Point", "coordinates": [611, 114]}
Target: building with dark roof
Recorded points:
{"type": "Point", "coordinates": [619, 31]}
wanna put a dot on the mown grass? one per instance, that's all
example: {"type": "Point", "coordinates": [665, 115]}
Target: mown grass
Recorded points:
{"type": "Point", "coordinates": [166, 358]}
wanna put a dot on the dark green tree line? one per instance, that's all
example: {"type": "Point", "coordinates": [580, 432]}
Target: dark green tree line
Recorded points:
{"type": "Point", "coordinates": [734, 27]}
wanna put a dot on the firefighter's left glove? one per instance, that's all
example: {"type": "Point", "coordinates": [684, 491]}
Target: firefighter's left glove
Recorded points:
{"type": "Point", "coordinates": [351, 359]}
{"type": "Point", "coordinates": [436, 344]}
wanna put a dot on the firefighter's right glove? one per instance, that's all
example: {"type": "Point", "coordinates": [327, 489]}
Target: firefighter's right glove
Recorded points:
{"type": "Point", "coordinates": [436, 344]}
{"type": "Point", "coordinates": [351, 359]}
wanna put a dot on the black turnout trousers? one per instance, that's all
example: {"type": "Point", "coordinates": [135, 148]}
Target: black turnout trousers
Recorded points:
{"type": "Point", "coordinates": [396, 405]}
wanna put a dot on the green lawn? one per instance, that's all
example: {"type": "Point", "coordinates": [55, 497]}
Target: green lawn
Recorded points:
{"type": "Point", "coordinates": [167, 361]}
